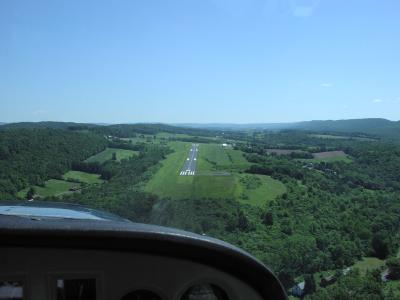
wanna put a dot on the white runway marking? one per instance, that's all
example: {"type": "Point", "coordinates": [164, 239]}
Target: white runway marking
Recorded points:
{"type": "Point", "coordinates": [189, 168]}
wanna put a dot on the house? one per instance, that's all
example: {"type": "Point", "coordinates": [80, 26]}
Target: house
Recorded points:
{"type": "Point", "coordinates": [346, 271]}
{"type": "Point", "coordinates": [384, 276]}
{"type": "Point", "coordinates": [298, 289]}
{"type": "Point", "coordinates": [327, 280]}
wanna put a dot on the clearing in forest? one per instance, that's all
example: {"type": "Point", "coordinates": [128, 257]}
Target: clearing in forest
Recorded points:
{"type": "Point", "coordinates": [108, 153]}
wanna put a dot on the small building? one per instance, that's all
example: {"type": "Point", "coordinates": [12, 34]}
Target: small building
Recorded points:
{"type": "Point", "coordinates": [298, 289]}
{"type": "Point", "coordinates": [384, 276]}
{"type": "Point", "coordinates": [346, 271]}
{"type": "Point", "coordinates": [327, 280]}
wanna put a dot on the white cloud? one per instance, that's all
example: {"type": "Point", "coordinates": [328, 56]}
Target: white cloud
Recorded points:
{"type": "Point", "coordinates": [326, 84]}
{"type": "Point", "coordinates": [377, 100]}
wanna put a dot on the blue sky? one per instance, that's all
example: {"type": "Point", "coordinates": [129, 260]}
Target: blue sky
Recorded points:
{"type": "Point", "coordinates": [240, 61]}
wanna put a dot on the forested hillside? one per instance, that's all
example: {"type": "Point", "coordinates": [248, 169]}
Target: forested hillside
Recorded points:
{"type": "Point", "coordinates": [46, 124]}
{"type": "Point", "coordinates": [129, 130]}
{"type": "Point", "coordinates": [31, 156]}
{"type": "Point", "coordinates": [379, 127]}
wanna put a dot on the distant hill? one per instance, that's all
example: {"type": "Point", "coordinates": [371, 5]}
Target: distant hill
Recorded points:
{"type": "Point", "coordinates": [371, 126]}
{"type": "Point", "coordinates": [233, 126]}
{"type": "Point", "coordinates": [352, 125]}
{"type": "Point", "coordinates": [118, 130]}
{"type": "Point", "coordinates": [47, 124]}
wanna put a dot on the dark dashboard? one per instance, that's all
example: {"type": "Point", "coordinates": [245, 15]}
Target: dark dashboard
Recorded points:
{"type": "Point", "coordinates": [111, 259]}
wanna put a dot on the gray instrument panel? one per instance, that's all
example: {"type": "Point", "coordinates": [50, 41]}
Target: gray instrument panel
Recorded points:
{"type": "Point", "coordinates": [44, 271]}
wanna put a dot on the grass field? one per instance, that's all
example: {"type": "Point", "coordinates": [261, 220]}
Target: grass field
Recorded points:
{"type": "Point", "coordinates": [214, 157]}
{"type": "Point", "coordinates": [107, 155]}
{"type": "Point", "coordinates": [258, 189]}
{"type": "Point", "coordinates": [214, 187]}
{"type": "Point", "coordinates": [368, 264]}
{"type": "Point", "coordinates": [83, 177]}
{"type": "Point", "coordinates": [53, 187]}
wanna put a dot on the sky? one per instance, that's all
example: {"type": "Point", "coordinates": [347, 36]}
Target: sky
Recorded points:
{"type": "Point", "coordinates": [199, 61]}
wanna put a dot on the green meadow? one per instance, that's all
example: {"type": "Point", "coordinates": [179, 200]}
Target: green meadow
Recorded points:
{"type": "Point", "coordinates": [52, 187]}
{"type": "Point", "coordinates": [82, 177]}
{"type": "Point", "coordinates": [108, 152]}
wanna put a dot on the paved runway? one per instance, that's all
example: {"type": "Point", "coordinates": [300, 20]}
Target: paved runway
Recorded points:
{"type": "Point", "coordinates": [189, 167]}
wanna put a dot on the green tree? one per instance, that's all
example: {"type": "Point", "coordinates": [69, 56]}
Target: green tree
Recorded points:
{"type": "Point", "coordinates": [114, 156]}
{"type": "Point", "coordinates": [310, 285]}
{"type": "Point", "coordinates": [243, 222]}
{"type": "Point", "coordinates": [394, 268]}
{"type": "Point", "coordinates": [31, 193]}
{"type": "Point", "coordinates": [379, 246]}
{"type": "Point", "coordinates": [268, 219]}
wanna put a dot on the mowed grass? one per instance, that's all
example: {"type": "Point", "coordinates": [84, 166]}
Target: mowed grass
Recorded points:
{"type": "Point", "coordinates": [214, 187]}
{"type": "Point", "coordinates": [368, 264]}
{"type": "Point", "coordinates": [53, 187]}
{"type": "Point", "coordinates": [258, 189]}
{"type": "Point", "coordinates": [108, 152]}
{"type": "Point", "coordinates": [83, 177]}
{"type": "Point", "coordinates": [215, 157]}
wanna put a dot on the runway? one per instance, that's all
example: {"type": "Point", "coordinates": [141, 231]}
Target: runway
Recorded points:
{"type": "Point", "coordinates": [189, 167]}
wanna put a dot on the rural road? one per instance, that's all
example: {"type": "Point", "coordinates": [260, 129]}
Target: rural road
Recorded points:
{"type": "Point", "coordinates": [189, 167]}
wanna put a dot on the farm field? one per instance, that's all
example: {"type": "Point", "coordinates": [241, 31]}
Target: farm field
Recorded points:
{"type": "Point", "coordinates": [56, 187]}
{"type": "Point", "coordinates": [330, 156]}
{"type": "Point", "coordinates": [341, 137]}
{"type": "Point", "coordinates": [107, 155]}
{"type": "Point", "coordinates": [82, 177]}
{"type": "Point", "coordinates": [53, 187]}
